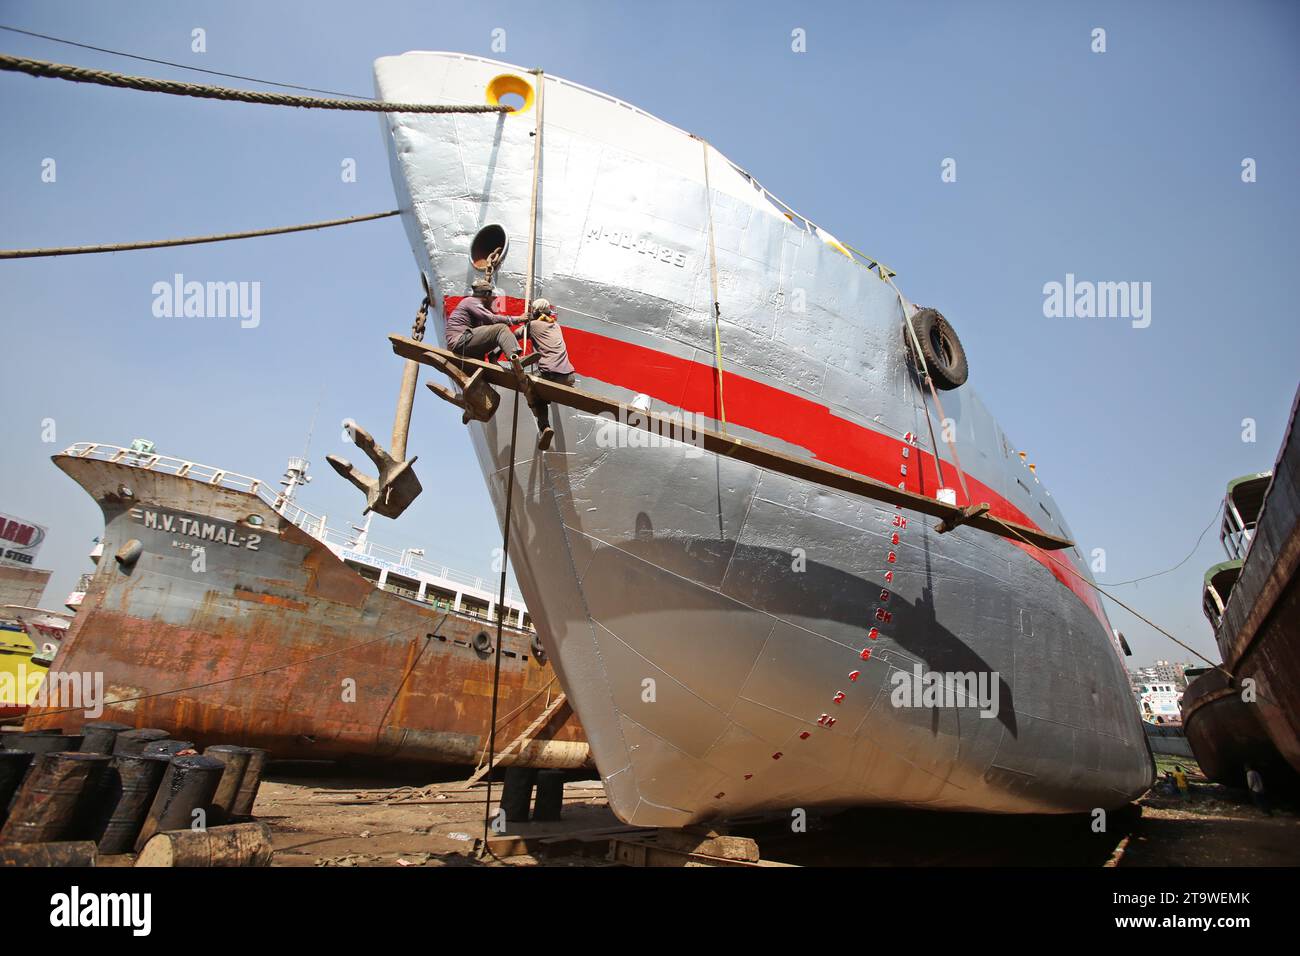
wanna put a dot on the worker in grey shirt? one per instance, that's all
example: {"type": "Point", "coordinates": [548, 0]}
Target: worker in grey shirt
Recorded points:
{"type": "Point", "coordinates": [544, 330]}
{"type": "Point", "coordinates": [474, 330]}
{"type": "Point", "coordinates": [553, 362]}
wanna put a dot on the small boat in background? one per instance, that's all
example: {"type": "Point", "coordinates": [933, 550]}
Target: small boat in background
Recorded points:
{"type": "Point", "coordinates": [29, 636]}
{"type": "Point", "coordinates": [45, 629]}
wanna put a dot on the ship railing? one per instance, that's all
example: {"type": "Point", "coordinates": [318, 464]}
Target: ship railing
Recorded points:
{"type": "Point", "coordinates": [207, 474]}
{"type": "Point", "coordinates": [404, 559]}
{"type": "Point", "coordinates": [399, 561]}
{"type": "Point", "coordinates": [167, 465]}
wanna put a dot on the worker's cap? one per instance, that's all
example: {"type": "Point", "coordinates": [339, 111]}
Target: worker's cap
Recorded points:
{"type": "Point", "coordinates": [481, 287]}
{"type": "Point", "coordinates": [542, 307]}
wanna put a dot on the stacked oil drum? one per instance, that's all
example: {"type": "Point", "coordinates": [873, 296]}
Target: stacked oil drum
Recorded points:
{"type": "Point", "coordinates": [116, 787]}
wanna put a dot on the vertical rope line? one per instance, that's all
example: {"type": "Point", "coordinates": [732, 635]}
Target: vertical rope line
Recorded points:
{"type": "Point", "coordinates": [510, 480]}
{"type": "Point", "coordinates": [532, 221]}
{"type": "Point", "coordinates": [713, 281]}
{"type": "Point", "coordinates": [501, 600]}
{"type": "Point", "coordinates": [952, 446]}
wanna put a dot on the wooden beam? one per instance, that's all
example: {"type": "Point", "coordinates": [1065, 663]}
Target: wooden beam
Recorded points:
{"type": "Point", "coordinates": [803, 469]}
{"type": "Point", "coordinates": [524, 735]}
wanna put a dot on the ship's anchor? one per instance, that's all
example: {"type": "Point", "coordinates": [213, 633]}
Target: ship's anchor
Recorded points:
{"type": "Point", "coordinates": [397, 485]}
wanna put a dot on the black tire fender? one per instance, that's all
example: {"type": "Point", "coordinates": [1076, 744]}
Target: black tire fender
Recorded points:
{"type": "Point", "coordinates": [941, 349]}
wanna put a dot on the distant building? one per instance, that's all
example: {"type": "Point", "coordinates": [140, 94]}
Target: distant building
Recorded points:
{"type": "Point", "coordinates": [1170, 672]}
{"type": "Point", "coordinates": [21, 587]}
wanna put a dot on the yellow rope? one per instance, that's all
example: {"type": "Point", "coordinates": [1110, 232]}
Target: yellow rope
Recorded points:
{"type": "Point", "coordinates": [713, 278]}
{"type": "Point", "coordinates": [882, 270]}
{"type": "Point", "coordinates": [916, 344]}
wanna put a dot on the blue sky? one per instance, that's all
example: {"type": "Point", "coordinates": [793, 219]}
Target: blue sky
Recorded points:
{"type": "Point", "coordinates": [1115, 166]}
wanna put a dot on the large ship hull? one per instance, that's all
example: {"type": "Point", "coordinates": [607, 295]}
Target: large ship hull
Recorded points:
{"type": "Point", "coordinates": [1226, 736]}
{"type": "Point", "coordinates": [707, 618]}
{"type": "Point", "coordinates": [271, 641]}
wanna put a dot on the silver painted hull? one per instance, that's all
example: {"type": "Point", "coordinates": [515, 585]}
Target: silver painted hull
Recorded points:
{"type": "Point", "coordinates": [708, 619]}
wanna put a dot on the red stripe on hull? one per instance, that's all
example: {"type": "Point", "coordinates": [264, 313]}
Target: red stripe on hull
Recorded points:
{"type": "Point", "coordinates": [692, 386]}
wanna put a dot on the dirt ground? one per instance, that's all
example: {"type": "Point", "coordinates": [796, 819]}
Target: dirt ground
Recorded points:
{"type": "Point", "coordinates": [330, 820]}
{"type": "Point", "coordinates": [369, 821]}
{"type": "Point", "coordinates": [1217, 826]}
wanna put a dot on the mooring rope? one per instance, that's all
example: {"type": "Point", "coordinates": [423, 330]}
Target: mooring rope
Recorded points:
{"type": "Point", "coordinates": [189, 241]}
{"type": "Point", "coordinates": [510, 481]}
{"type": "Point", "coordinates": [147, 84]}
{"type": "Point", "coordinates": [1141, 617]}
{"type": "Point", "coordinates": [1146, 577]}
{"type": "Point", "coordinates": [179, 66]}
{"type": "Point", "coordinates": [532, 208]}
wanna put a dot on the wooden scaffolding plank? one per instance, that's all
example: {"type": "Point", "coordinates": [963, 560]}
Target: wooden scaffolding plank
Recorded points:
{"type": "Point", "coordinates": [815, 472]}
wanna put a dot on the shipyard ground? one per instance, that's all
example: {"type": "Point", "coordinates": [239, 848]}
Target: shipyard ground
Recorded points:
{"type": "Point", "coordinates": [323, 819]}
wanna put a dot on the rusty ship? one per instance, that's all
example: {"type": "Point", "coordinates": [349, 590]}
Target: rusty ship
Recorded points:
{"type": "Point", "coordinates": [221, 610]}
{"type": "Point", "coordinates": [732, 621]}
{"type": "Point", "coordinates": [1246, 712]}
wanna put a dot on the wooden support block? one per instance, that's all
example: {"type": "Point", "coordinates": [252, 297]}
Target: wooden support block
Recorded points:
{"type": "Point", "coordinates": [514, 845]}
{"type": "Point", "coordinates": [709, 844]}
{"type": "Point", "coordinates": [966, 517]}
{"type": "Point", "coordinates": [242, 844]}
{"type": "Point", "coordinates": [633, 852]}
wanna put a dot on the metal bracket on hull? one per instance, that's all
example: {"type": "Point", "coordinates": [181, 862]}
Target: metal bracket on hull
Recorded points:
{"type": "Point", "coordinates": [967, 515]}
{"type": "Point", "coordinates": [476, 399]}
{"type": "Point", "coordinates": [803, 469]}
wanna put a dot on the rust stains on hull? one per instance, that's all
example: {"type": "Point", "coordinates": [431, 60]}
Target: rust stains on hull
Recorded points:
{"type": "Point", "coordinates": [283, 646]}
